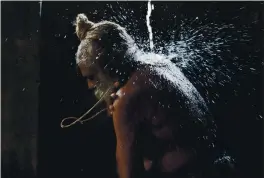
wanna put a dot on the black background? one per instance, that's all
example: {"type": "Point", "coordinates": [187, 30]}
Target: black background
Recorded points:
{"type": "Point", "coordinates": [89, 150]}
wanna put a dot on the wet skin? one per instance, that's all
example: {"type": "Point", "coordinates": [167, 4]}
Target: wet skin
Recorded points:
{"type": "Point", "coordinates": [131, 106]}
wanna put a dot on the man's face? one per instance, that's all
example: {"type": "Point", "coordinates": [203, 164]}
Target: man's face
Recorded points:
{"type": "Point", "coordinates": [87, 58]}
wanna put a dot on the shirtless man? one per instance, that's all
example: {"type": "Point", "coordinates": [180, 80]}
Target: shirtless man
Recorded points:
{"type": "Point", "coordinates": [162, 124]}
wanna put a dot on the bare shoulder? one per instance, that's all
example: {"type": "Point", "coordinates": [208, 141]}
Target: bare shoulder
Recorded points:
{"type": "Point", "coordinates": [133, 95]}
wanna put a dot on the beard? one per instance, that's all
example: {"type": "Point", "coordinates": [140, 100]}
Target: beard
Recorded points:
{"type": "Point", "coordinates": [106, 102]}
{"type": "Point", "coordinates": [100, 92]}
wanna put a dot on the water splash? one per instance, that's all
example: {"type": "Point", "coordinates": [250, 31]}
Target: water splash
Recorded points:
{"type": "Point", "coordinates": [204, 54]}
{"type": "Point", "coordinates": [150, 8]}
{"type": "Point", "coordinates": [208, 52]}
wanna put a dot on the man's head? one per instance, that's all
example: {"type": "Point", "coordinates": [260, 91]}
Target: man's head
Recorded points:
{"type": "Point", "coordinates": [103, 54]}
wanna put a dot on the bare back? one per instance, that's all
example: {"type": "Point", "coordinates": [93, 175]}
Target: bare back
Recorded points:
{"type": "Point", "coordinates": [160, 115]}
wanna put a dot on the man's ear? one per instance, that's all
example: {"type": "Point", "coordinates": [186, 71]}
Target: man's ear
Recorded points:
{"type": "Point", "coordinates": [82, 25]}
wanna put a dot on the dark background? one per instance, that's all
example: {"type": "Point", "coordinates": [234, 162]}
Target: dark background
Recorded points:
{"type": "Point", "coordinates": [40, 86]}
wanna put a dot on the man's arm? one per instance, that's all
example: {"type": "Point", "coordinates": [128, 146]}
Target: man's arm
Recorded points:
{"type": "Point", "coordinates": [125, 117]}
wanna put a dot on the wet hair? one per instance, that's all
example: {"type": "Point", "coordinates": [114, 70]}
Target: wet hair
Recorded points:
{"type": "Point", "coordinates": [116, 50]}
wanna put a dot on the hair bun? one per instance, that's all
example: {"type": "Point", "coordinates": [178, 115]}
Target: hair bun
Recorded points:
{"type": "Point", "coordinates": [82, 25]}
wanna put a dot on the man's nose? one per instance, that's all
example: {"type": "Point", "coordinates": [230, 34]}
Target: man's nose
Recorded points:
{"type": "Point", "coordinates": [91, 84]}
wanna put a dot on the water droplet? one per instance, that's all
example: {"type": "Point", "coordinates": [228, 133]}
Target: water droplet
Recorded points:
{"type": "Point", "coordinates": [212, 145]}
